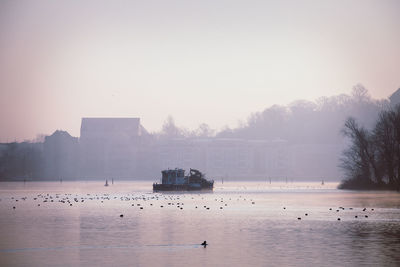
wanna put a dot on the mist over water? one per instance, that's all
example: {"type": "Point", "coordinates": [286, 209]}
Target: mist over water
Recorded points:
{"type": "Point", "coordinates": [255, 96]}
{"type": "Point", "coordinates": [301, 141]}
{"type": "Point", "coordinates": [244, 223]}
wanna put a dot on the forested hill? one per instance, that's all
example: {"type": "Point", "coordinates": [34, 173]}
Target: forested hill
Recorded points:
{"type": "Point", "coordinates": [317, 121]}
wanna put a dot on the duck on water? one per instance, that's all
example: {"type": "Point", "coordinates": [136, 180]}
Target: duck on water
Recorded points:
{"type": "Point", "coordinates": [175, 180]}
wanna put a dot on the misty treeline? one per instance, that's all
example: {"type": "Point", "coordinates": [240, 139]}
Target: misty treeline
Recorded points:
{"type": "Point", "coordinates": [301, 122]}
{"type": "Point", "coordinates": [170, 130]}
{"type": "Point", "coordinates": [21, 160]}
{"type": "Point", "coordinates": [310, 130]}
{"type": "Point", "coordinates": [373, 159]}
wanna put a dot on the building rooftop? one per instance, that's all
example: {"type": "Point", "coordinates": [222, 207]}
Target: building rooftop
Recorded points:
{"type": "Point", "coordinates": [105, 126]}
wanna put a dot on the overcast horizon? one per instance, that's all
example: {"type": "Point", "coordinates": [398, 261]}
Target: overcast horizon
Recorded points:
{"type": "Point", "coordinates": [200, 62]}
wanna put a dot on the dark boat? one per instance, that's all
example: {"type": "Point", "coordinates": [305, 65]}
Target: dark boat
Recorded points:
{"type": "Point", "coordinates": [175, 180]}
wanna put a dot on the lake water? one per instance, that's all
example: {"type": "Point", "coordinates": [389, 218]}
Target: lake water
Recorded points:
{"type": "Point", "coordinates": [244, 223]}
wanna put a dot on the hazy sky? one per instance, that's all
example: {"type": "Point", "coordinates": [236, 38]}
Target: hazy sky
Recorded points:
{"type": "Point", "coordinates": [199, 61]}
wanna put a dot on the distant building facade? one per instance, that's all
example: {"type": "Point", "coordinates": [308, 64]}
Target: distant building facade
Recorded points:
{"type": "Point", "coordinates": [121, 148]}
{"type": "Point", "coordinates": [314, 161]}
{"type": "Point", "coordinates": [226, 158]}
{"type": "Point", "coordinates": [61, 156]}
{"type": "Point", "coordinates": [109, 147]}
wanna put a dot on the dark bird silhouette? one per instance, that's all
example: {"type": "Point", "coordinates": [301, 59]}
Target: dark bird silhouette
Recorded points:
{"type": "Point", "coordinates": [204, 244]}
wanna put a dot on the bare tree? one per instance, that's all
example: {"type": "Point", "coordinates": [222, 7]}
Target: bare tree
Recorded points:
{"type": "Point", "coordinates": [204, 130]}
{"type": "Point", "coordinates": [373, 159]}
{"type": "Point", "coordinates": [387, 139]}
{"type": "Point", "coordinates": [170, 130]}
{"type": "Point", "coordinates": [359, 161]}
{"type": "Point", "coordinates": [385, 143]}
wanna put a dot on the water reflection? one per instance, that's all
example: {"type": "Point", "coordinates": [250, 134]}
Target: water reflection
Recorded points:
{"type": "Point", "coordinates": [244, 223]}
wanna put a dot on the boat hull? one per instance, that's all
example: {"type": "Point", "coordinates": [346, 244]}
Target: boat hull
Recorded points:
{"type": "Point", "coordinates": [182, 187]}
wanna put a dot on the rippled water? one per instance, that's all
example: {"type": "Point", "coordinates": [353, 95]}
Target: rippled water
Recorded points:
{"type": "Point", "coordinates": [245, 224]}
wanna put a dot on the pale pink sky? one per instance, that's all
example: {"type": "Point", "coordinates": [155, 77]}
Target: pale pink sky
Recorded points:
{"type": "Point", "coordinates": [199, 61]}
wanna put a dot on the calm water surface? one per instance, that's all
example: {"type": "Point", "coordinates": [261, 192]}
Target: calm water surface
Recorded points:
{"type": "Point", "coordinates": [245, 224]}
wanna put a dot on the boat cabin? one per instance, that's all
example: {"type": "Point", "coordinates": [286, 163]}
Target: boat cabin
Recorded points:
{"type": "Point", "coordinates": [176, 176]}
{"type": "Point", "coordinates": [175, 180]}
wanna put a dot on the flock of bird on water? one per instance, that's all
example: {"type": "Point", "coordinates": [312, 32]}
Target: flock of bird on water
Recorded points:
{"type": "Point", "coordinates": [71, 199]}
